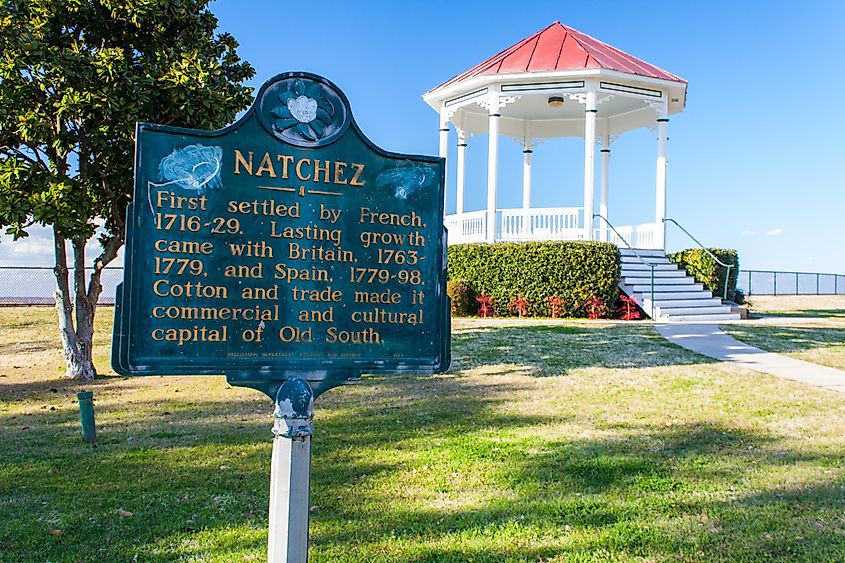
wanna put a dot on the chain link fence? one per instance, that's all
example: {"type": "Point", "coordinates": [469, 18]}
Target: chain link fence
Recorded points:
{"type": "Point", "coordinates": [765, 282]}
{"type": "Point", "coordinates": [36, 285]}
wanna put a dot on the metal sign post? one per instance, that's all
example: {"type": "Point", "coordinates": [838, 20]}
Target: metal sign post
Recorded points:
{"type": "Point", "coordinates": [290, 473]}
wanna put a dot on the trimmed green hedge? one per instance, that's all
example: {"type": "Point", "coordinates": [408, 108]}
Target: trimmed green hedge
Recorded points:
{"type": "Point", "coordinates": [574, 271]}
{"type": "Point", "coordinates": [705, 270]}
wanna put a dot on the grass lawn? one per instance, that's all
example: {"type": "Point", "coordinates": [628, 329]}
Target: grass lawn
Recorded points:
{"type": "Point", "coordinates": [548, 441]}
{"type": "Point", "coordinates": [824, 306]}
{"type": "Point", "coordinates": [806, 327]}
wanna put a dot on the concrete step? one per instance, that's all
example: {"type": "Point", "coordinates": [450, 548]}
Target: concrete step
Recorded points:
{"type": "Point", "coordinates": [662, 296]}
{"type": "Point", "coordinates": [659, 280]}
{"type": "Point", "coordinates": [626, 273]}
{"type": "Point", "coordinates": [708, 318]}
{"type": "Point", "coordinates": [640, 266]}
{"type": "Point", "coordinates": [669, 291]}
{"type": "Point", "coordinates": [703, 300]}
{"type": "Point", "coordinates": [642, 252]}
{"type": "Point", "coordinates": [684, 311]}
{"type": "Point", "coordinates": [677, 298]}
{"type": "Point", "coordinates": [646, 259]}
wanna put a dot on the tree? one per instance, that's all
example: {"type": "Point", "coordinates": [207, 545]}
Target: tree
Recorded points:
{"type": "Point", "coordinates": [75, 77]}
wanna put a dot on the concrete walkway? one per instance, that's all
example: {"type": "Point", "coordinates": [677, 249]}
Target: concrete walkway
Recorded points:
{"type": "Point", "coordinates": [709, 340]}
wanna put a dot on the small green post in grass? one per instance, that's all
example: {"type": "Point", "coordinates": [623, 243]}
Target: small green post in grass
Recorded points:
{"type": "Point", "coordinates": [86, 416]}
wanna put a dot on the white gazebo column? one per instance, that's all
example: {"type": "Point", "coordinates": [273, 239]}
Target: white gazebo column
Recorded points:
{"type": "Point", "coordinates": [492, 167]}
{"type": "Point", "coordinates": [605, 166]}
{"type": "Point", "coordinates": [660, 188]}
{"type": "Point", "coordinates": [444, 146]}
{"type": "Point", "coordinates": [589, 162]}
{"type": "Point", "coordinates": [462, 154]}
{"type": "Point", "coordinates": [526, 190]}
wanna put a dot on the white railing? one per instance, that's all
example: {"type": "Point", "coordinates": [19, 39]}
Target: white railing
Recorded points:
{"type": "Point", "coordinates": [517, 225]}
{"type": "Point", "coordinates": [645, 236]}
{"type": "Point", "coordinates": [550, 223]}
{"type": "Point", "coordinates": [467, 227]}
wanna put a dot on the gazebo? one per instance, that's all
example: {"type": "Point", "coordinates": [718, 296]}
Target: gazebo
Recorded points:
{"type": "Point", "coordinates": [558, 82]}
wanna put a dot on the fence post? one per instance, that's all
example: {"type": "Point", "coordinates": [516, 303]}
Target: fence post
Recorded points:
{"type": "Point", "coordinates": [817, 283]}
{"type": "Point", "coordinates": [775, 276]}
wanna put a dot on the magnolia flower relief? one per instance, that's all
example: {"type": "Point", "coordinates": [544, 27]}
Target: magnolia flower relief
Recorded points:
{"type": "Point", "coordinates": [405, 180]}
{"type": "Point", "coordinates": [305, 110]}
{"type": "Point", "coordinates": [194, 167]}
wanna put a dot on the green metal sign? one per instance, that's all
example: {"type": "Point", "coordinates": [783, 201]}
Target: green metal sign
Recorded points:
{"type": "Point", "coordinates": [284, 246]}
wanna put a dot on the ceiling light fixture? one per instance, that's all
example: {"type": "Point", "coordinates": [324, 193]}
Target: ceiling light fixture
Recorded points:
{"type": "Point", "coordinates": [555, 101]}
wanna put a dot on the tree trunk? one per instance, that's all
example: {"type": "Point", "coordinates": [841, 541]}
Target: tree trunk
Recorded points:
{"type": "Point", "coordinates": [78, 340]}
{"type": "Point", "coordinates": [78, 337]}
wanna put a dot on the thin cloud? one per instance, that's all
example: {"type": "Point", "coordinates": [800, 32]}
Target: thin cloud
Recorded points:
{"type": "Point", "coordinates": [748, 233]}
{"type": "Point", "coordinates": [774, 232]}
{"type": "Point", "coordinates": [37, 250]}
{"type": "Point", "coordinates": [33, 250]}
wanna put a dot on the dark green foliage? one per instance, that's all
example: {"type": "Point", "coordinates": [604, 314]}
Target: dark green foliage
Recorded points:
{"type": "Point", "coordinates": [462, 295]}
{"type": "Point", "coordinates": [75, 78]}
{"type": "Point", "coordinates": [701, 265]}
{"type": "Point", "coordinates": [574, 271]}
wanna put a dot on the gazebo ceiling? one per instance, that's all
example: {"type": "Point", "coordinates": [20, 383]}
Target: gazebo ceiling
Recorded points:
{"type": "Point", "coordinates": [623, 114]}
{"type": "Point", "coordinates": [563, 62]}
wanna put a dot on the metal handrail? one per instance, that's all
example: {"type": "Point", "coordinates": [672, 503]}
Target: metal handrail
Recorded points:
{"type": "Point", "coordinates": [640, 258]}
{"type": "Point", "coordinates": [713, 256]}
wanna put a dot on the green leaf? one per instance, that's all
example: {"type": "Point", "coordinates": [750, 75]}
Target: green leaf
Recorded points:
{"type": "Point", "coordinates": [323, 116]}
{"type": "Point", "coordinates": [282, 112]}
{"type": "Point", "coordinates": [317, 127]}
{"type": "Point", "coordinates": [305, 131]}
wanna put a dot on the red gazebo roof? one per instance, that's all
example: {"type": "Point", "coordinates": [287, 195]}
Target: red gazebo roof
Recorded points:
{"type": "Point", "coordinates": [559, 47]}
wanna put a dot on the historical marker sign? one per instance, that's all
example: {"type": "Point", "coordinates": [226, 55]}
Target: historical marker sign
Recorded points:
{"type": "Point", "coordinates": [284, 246]}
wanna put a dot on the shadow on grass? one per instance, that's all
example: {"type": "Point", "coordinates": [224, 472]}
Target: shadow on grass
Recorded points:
{"type": "Point", "coordinates": [617, 498]}
{"type": "Point", "coordinates": [789, 339]}
{"type": "Point", "coordinates": [32, 346]}
{"type": "Point", "coordinates": [196, 483]}
{"type": "Point", "coordinates": [417, 469]}
{"type": "Point", "coordinates": [41, 389]}
{"type": "Point", "coordinates": [169, 469]}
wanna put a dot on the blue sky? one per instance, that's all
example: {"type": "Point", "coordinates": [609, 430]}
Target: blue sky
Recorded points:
{"type": "Point", "coordinates": [754, 159]}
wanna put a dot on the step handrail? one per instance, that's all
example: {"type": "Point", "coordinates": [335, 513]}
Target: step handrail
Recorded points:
{"type": "Point", "coordinates": [640, 258]}
{"type": "Point", "coordinates": [705, 249]}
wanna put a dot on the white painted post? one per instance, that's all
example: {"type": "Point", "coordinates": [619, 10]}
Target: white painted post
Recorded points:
{"type": "Point", "coordinates": [462, 149]}
{"type": "Point", "coordinates": [492, 166]}
{"type": "Point", "coordinates": [662, 138]}
{"type": "Point", "coordinates": [444, 147]}
{"type": "Point", "coordinates": [605, 169]}
{"type": "Point", "coordinates": [526, 187]}
{"type": "Point", "coordinates": [589, 162]}
{"type": "Point", "coordinates": [290, 474]}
